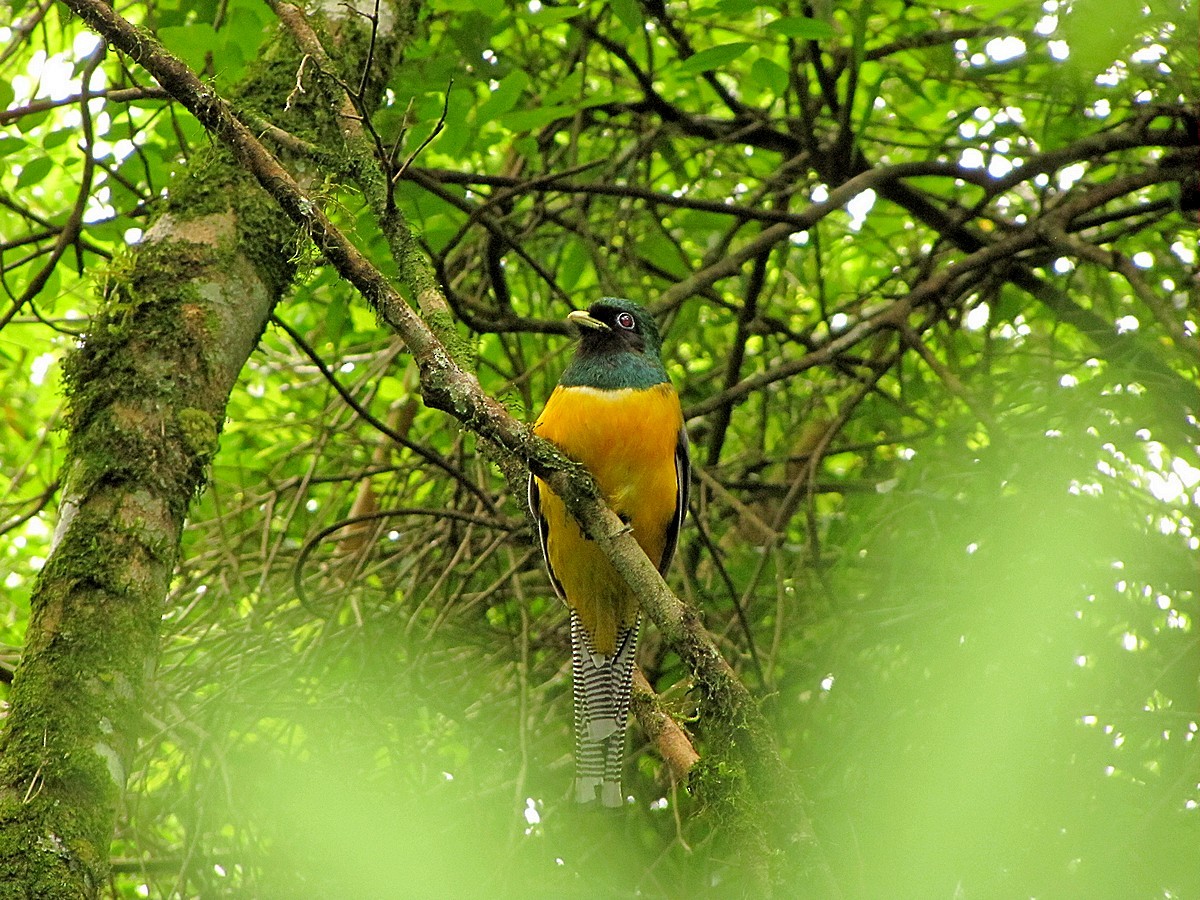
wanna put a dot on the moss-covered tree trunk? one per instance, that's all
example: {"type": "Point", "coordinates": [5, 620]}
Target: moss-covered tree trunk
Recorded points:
{"type": "Point", "coordinates": [147, 390]}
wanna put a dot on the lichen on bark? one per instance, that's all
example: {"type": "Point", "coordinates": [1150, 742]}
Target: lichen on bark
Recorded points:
{"type": "Point", "coordinates": [147, 390]}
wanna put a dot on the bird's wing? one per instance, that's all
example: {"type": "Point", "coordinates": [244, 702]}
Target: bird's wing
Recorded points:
{"type": "Point", "coordinates": [683, 478]}
{"type": "Point", "coordinates": [543, 529]}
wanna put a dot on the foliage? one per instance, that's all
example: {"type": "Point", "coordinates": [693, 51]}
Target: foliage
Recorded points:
{"type": "Point", "coordinates": [929, 284]}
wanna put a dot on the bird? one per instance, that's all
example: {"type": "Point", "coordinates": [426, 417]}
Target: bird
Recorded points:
{"type": "Point", "coordinates": [614, 410]}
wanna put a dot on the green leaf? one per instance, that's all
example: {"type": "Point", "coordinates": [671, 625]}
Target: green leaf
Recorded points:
{"type": "Point", "coordinates": [1099, 32]}
{"type": "Point", "coordinates": [531, 119]}
{"type": "Point", "coordinates": [191, 43]}
{"type": "Point", "coordinates": [549, 15]}
{"type": "Point", "coordinates": [713, 58]}
{"type": "Point", "coordinates": [801, 27]}
{"type": "Point", "coordinates": [35, 171]}
{"type": "Point", "coordinates": [26, 124]}
{"type": "Point", "coordinates": [664, 253]}
{"type": "Point", "coordinates": [571, 264]}
{"type": "Point", "coordinates": [11, 144]}
{"type": "Point", "coordinates": [629, 13]}
{"type": "Point", "coordinates": [58, 137]}
{"type": "Point", "coordinates": [247, 27]}
{"type": "Point", "coordinates": [503, 98]}
{"type": "Point", "coordinates": [526, 146]}
{"type": "Point", "coordinates": [769, 75]}
{"type": "Point", "coordinates": [335, 319]}
{"type": "Point", "coordinates": [737, 7]}
{"type": "Point", "coordinates": [570, 89]}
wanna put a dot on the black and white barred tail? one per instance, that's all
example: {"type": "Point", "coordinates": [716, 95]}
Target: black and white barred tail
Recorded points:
{"type": "Point", "coordinates": [602, 687]}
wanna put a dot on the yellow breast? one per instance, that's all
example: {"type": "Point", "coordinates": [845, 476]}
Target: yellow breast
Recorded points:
{"type": "Point", "coordinates": [627, 439]}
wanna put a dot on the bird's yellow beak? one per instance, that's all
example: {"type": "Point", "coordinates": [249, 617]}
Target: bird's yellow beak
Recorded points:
{"type": "Point", "coordinates": [583, 320]}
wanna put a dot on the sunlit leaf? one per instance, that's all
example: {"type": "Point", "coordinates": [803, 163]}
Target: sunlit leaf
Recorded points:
{"type": "Point", "coordinates": [713, 58]}
{"type": "Point", "coordinates": [35, 171]}
{"type": "Point", "coordinates": [10, 144]}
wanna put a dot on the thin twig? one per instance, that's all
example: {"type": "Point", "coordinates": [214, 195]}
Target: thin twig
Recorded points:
{"type": "Point", "coordinates": [437, 129]}
{"type": "Point", "coordinates": [375, 422]}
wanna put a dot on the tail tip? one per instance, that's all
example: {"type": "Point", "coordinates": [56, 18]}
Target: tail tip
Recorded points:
{"type": "Point", "coordinates": [585, 788]}
{"type": "Point", "coordinates": [610, 791]}
{"type": "Point", "coordinates": [610, 794]}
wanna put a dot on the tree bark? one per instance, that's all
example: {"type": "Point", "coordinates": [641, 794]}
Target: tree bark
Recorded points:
{"type": "Point", "coordinates": [148, 390]}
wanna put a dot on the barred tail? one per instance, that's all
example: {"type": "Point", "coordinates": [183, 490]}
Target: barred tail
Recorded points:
{"type": "Point", "coordinates": [602, 687]}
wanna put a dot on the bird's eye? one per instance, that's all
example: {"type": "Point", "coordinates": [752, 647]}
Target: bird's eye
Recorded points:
{"type": "Point", "coordinates": [625, 320]}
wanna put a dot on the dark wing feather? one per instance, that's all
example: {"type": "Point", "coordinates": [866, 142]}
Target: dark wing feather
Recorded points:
{"type": "Point", "coordinates": [543, 528]}
{"type": "Point", "coordinates": [683, 478]}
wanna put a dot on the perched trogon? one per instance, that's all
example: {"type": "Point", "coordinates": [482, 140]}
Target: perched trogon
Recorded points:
{"type": "Point", "coordinates": [615, 411]}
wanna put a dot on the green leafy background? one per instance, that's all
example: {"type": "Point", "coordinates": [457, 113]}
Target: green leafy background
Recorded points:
{"type": "Point", "coordinates": [974, 630]}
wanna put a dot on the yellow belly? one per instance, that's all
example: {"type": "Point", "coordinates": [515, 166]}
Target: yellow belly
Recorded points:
{"type": "Point", "coordinates": [627, 440]}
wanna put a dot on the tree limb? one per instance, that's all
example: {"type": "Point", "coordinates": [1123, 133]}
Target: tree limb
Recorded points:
{"type": "Point", "coordinates": [449, 388]}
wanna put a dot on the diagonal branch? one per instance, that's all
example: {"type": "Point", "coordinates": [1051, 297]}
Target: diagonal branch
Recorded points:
{"type": "Point", "coordinates": [449, 388]}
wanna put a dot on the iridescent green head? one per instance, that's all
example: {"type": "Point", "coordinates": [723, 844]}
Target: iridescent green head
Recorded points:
{"type": "Point", "coordinates": [619, 347]}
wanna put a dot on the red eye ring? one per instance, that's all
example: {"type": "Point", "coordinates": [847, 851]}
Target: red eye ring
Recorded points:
{"type": "Point", "coordinates": [625, 320]}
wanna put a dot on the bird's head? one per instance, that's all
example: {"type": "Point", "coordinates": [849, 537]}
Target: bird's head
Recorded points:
{"type": "Point", "coordinates": [615, 325]}
{"type": "Point", "coordinates": [619, 346]}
